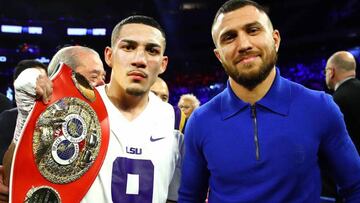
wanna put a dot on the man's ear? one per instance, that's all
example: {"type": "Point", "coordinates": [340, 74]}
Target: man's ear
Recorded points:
{"type": "Point", "coordinates": [332, 72]}
{"type": "Point", "coordinates": [277, 39]}
{"type": "Point", "coordinates": [217, 54]}
{"type": "Point", "coordinates": [164, 64]}
{"type": "Point", "coordinates": [108, 55]}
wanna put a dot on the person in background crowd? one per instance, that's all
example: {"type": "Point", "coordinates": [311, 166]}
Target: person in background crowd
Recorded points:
{"type": "Point", "coordinates": [83, 60]}
{"type": "Point", "coordinates": [8, 122]}
{"type": "Point", "coordinates": [340, 72]}
{"type": "Point", "coordinates": [188, 103]}
{"type": "Point", "coordinates": [8, 117]}
{"type": "Point", "coordinates": [160, 89]}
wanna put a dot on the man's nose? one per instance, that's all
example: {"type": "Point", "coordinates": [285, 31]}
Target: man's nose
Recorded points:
{"type": "Point", "coordinates": [139, 60]}
{"type": "Point", "coordinates": [98, 82]}
{"type": "Point", "coordinates": [243, 42]}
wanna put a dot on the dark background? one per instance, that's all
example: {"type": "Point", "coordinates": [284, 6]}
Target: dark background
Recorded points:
{"type": "Point", "coordinates": [311, 30]}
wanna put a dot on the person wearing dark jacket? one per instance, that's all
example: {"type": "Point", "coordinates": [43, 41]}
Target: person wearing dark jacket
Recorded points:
{"type": "Point", "coordinates": [340, 74]}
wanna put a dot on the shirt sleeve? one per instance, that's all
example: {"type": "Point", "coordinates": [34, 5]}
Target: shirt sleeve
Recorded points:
{"type": "Point", "coordinates": [194, 179]}
{"type": "Point", "coordinates": [340, 153]}
{"type": "Point", "coordinates": [175, 182]}
{"type": "Point", "coordinates": [25, 96]}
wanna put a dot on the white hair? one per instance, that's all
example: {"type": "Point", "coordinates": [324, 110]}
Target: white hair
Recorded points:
{"type": "Point", "coordinates": [192, 98]}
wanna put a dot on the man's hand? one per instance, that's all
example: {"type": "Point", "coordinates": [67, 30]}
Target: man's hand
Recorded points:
{"type": "Point", "coordinates": [4, 190]}
{"type": "Point", "coordinates": [44, 88]}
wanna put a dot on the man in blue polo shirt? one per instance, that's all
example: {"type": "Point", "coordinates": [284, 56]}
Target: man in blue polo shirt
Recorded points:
{"type": "Point", "coordinates": [261, 138]}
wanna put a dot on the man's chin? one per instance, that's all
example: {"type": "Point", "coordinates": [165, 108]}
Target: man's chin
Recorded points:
{"type": "Point", "coordinates": [135, 91]}
{"type": "Point", "coordinates": [249, 84]}
{"type": "Point", "coordinates": [251, 79]}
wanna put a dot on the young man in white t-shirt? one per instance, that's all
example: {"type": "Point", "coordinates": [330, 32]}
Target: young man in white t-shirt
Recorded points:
{"type": "Point", "coordinates": [143, 149]}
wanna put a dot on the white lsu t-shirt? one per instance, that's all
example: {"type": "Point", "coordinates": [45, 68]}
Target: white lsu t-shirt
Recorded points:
{"type": "Point", "coordinates": [141, 158]}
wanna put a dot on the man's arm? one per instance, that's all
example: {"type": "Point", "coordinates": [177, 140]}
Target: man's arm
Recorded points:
{"type": "Point", "coordinates": [194, 174]}
{"type": "Point", "coordinates": [175, 182]}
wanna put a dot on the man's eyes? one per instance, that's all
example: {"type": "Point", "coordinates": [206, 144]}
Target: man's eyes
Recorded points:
{"type": "Point", "coordinates": [153, 50]}
{"type": "Point", "coordinates": [228, 37]}
{"type": "Point", "coordinates": [128, 47]}
{"type": "Point", "coordinates": [253, 30]}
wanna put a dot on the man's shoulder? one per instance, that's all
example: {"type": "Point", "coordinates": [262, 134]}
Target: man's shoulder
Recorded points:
{"type": "Point", "coordinates": [157, 103]}
{"type": "Point", "coordinates": [211, 107]}
{"type": "Point", "coordinates": [304, 99]}
{"type": "Point", "coordinates": [303, 92]}
{"type": "Point", "coordinates": [348, 92]}
{"type": "Point", "coordinates": [101, 91]}
{"type": "Point", "coordinates": [160, 111]}
{"type": "Point", "coordinates": [352, 85]}
{"type": "Point", "coordinates": [9, 114]}
{"type": "Point", "coordinates": [5, 103]}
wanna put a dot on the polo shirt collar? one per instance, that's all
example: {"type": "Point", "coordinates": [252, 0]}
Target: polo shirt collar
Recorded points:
{"type": "Point", "coordinates": [277, 99]}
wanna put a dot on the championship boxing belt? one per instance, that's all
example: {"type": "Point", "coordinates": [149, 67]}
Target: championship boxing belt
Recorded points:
{"type": "Point", "coordinates": [63, 144]}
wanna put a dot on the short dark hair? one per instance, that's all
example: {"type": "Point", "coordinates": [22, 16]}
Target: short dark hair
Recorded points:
{"type": "Point", "coordinates": [25, 64]}
{"type": "Point", "coordinates": [137, 19]}
{"type": "Point", "coordinates": [232, 5]}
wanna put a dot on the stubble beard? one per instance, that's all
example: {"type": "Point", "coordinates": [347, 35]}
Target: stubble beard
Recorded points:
{"type": "Point", "coordinates": [252, 80]}
{"type": "Point", "coordinates": [138, 90]}
{"type": "Point", "coordinates": [135, 91]}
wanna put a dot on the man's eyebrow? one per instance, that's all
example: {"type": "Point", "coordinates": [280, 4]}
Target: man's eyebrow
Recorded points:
{"type": "Point", "coordinates": [230, 31]}
{"type": "Point", "coordinates": [132, 42]}
{"type": "Point", "coordinates": [253, 24]}
{"type": "Point", "coordinates": [129, 41]}
{"type": "Point", "coordinates": [227, 32]}
{"type": "Point", "coordinates": [96, 71]}
{"type": "Point", "coordinates": [150, 44]}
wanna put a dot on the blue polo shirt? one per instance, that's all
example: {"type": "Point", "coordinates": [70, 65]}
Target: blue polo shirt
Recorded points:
{"type": "Point", "coordinates": [267, 152]}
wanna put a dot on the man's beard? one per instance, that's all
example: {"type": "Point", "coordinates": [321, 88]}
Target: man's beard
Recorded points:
{"type": "Point", "coordinates": [135, 91]}
{"type": "Point", "coordinates": [250, 81]}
